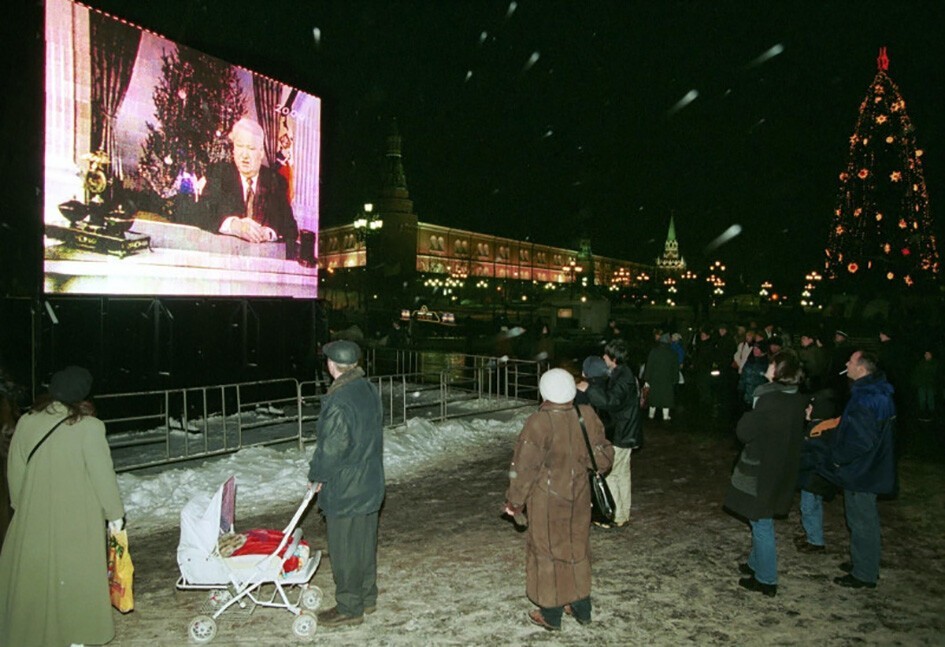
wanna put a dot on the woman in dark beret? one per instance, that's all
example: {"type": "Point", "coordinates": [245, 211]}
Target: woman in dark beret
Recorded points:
{"type": "Point", "coordinates": [53, 572]}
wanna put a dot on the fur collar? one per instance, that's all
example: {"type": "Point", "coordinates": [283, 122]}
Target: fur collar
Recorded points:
{"type": "Point", "coordinates": [346, 378]}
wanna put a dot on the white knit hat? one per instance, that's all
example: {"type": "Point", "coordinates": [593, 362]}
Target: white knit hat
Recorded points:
{"type": "Point", "coordinates": [557, 386]}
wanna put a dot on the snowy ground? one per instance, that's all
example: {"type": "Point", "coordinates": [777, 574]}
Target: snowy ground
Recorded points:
{"type": "Point", "coordinates": [269, 476]}
{"type": "Point", "coordinates": [451, 568]}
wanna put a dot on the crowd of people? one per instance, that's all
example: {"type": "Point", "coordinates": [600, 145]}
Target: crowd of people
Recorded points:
{"type": "Point", "coordinates": [809, 417]}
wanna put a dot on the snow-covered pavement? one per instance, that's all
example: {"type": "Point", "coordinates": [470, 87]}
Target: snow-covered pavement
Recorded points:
{"type": "Point", "coordinates": [268, 476]}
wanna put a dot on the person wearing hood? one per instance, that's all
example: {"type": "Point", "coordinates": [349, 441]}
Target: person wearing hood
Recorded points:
{"type": "Point", "coordinates": [619, 398]}
{"type": "Point", "coordinates": [763, 481]}
{"type": "Point", "coordinates": [661, 375]}
{"type": "Point", "coordinates": [860, 458]}
{"type": "Point", "coordinates": [595, 372]}
{"type": "Point", "coordinates": [753, 373]}
{"type": "Point", "coordinates": [548, 484]}
{"type": "Point", "coordinates": [53, 571]}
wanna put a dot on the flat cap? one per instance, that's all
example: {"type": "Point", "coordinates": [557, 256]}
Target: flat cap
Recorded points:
{"type": "Point", "coordinates": [342, 352]}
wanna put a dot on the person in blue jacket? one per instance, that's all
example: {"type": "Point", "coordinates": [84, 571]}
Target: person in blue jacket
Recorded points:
{"type": "Point", "coordinates": [860, 458]}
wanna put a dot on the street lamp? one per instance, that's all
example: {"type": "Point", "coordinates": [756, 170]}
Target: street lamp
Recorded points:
{"type": "Point", "coordinates": [366, 225]}
{"type": "Point", "coordinates": [573, 269]}
{"type": "Point", "coordinates": [368, 222]}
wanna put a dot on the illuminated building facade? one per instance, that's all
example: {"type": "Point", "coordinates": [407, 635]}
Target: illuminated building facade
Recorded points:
{"type": "Point", "coordinates": [459, 253]}
{"type": "Point", "coordinates": [389, 238]}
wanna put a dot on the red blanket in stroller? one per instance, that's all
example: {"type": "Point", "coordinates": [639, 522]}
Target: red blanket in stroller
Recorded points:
{"type": "Point", "coordinates": [263, 541]}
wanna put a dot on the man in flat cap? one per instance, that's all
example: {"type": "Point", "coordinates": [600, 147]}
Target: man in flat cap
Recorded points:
{"type": "Point", "coordinates": [347, 471]}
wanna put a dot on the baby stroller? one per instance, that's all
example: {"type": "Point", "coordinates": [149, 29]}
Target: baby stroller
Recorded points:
{"type": "Point", "coordinates": [213, 557]}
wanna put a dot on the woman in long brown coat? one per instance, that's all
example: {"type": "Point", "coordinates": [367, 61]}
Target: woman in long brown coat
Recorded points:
{"type": "Point", "coordinates": [548, 482]}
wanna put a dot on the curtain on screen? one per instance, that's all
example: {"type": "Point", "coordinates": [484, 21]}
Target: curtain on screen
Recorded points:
{"type": "Point", "coordinates": [267, 93]}
{"type": "Point", "coordinates": [114, 47]}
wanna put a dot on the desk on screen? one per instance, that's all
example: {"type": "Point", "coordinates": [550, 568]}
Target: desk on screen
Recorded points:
{"type": "Point", "coordinates": [182, 260]}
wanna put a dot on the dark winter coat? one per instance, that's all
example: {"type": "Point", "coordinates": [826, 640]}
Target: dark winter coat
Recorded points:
{"type": "Point", "coordinates": [860, 454]}
{"type": "Point", "coordinates": [764, 478]}
{"type": "Point", "coordinates": [581, 397]}
{"type": "Point", "coordinates": [662, 374]}
{"type": "Point", "coordinates": [814, 449]}
{"type": "Point", "coordinates": [349, 449]}
{"type": "Point", "coordinates": [814, 362]}
{"type": "Point", "coordinates": [893, 360]}
{"type": "Point", "coordinates": [223, 197]}
{"type": "Point", "coordinates": [620, 398]}
{"type": "Point", "coordinates": [724, 352]}
{"type": "Point", "coordinates": [548, 479]}
{"type": "Point", "coordinates": [925, 373]}
{"type": "Point", "coordinates": [752, 376]}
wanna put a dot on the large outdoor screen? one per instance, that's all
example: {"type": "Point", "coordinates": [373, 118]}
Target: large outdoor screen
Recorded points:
{"type": "Point", "coordinates": [170, 172]}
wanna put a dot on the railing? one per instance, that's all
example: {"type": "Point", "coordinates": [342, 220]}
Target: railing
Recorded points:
{"type": "Point", "coordinates": [149, 428]}
{"type": "Point", "coordinates": [154, 428]}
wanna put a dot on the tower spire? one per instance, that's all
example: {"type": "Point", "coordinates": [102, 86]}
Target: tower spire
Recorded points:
{"type": "Point", "coordinates": [394, 196]}
{"type": "Point", "coordinates": [671, 261]}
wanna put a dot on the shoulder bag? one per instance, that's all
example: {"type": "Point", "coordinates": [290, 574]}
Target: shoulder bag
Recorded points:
{"type": "Point", "coordinates": [43, 439]}
{"type": "Point", "coordinates": [602, 501]}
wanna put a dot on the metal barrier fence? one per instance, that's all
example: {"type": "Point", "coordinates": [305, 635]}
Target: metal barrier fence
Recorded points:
{"type": "Point", "coordinates": [149, 428]}
{"type": "Point", "coordinates": [155, 428]}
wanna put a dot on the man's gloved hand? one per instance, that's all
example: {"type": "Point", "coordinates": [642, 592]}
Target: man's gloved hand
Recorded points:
{"type": "Point", "coordinates": [116, 525]}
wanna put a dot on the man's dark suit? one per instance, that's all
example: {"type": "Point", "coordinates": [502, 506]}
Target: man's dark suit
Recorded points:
{"type": "Point", "coordinates": [223, 197]}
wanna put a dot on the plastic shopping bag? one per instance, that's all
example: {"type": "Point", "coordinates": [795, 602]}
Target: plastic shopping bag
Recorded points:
{"type": "Point", "coordinates": [120, 572]}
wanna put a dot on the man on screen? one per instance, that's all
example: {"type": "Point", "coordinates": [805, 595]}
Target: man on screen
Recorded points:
{"type": "Point", "coordinates": [246, 199]}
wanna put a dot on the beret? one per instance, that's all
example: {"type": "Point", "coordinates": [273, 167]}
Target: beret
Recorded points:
{"type": "Point", "coordinates": [557, 385]}
{"type": "Point", "coordinates": [70, 385]}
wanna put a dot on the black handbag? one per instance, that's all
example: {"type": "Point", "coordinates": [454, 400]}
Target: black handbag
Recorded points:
{"type": "Point", "coordinates": [602, 501]}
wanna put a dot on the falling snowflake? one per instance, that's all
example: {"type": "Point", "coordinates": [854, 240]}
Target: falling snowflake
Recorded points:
{"type": "Point", "coordinates": [531, 61]}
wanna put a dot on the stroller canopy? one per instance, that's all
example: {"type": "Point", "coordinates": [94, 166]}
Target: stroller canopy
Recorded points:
{"type": "Point", "coordinates": [202, 521]}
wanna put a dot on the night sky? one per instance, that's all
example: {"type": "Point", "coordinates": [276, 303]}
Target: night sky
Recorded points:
{"type": "Point", "coordinates": [554, 120]}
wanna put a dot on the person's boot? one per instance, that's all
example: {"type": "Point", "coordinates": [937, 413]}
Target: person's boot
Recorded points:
{"type": "Point", "coordinates": [752, 584]}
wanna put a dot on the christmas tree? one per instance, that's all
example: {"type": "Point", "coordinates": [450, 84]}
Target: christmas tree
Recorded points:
{"type": "Point", "coordinates": [881, 234]}
{"type": "Point", "coordinates": [196, 101]}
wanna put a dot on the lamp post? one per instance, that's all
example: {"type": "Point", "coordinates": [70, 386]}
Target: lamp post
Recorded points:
{"type": "Point", "coordinates": [573, 269]}
{"type": "Point", "coordinates": [366, 225]}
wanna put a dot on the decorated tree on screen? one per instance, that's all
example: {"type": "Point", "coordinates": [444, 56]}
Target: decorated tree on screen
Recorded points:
{"type": "Point", "coordinates": [196, 102]}
{"type": "Point", "coordinates": [881, 232]}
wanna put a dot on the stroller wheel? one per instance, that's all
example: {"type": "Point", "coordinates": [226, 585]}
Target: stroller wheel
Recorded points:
{"type": "Point", "coordinates": [202, 629]}
{"type": "Point", "coordinates": [311, 598]}
{"type": "Point", "coordinates": [304, 625]}
{"type": "Point", "coordinates": [218, 597]}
